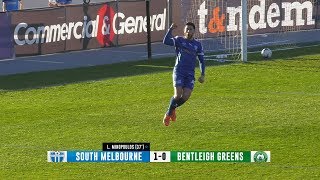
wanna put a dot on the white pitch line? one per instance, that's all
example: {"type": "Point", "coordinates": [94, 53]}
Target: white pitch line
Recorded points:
{"type": "Point", "coordinates": [273, 42]}
{"type": "Point", "coordinates": [25, 58]}
{"type": "Point", "coordinates": [251, 52]}
{"type": "Point", "coordinates": [159, 54]}
{"type": "Point", "coordinates": [53, 62]}
{"type": "Point", "coordinates": [3, 60]}
{"type": "Point", "coordinates": [127, 51]}
{"type": "Point", "coordinates": [284, 49]}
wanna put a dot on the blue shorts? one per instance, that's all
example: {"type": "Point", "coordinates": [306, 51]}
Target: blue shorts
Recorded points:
{"type": "Point", "coordinates": [184, 81]}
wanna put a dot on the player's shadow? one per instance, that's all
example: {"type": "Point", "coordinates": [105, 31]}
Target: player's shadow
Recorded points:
{"type": "Point", "coordinates": [61, 77]}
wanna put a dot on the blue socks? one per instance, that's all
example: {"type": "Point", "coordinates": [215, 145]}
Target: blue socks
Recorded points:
{"type": "Point", "coordinates": [174, 104]}
{"type": "Point", "coordinates": [180, 102]}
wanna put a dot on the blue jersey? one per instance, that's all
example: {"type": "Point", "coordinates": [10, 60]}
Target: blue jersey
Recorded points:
{"type": "Point", "coordinates": [187, 52]}
{"type": "Point", "coordinates": [11, 5]}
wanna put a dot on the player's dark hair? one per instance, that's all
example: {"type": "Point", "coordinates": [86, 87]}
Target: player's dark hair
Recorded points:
{"type": "Point", "coordinates": [191, 24]}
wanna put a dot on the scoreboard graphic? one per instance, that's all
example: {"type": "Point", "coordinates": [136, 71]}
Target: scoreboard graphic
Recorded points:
{"type": "Point", "coordinates": [140, 152]}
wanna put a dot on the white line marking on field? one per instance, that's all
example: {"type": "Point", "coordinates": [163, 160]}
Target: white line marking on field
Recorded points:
{"type": "Point", "coordinates": [3, 60]}
{"type": "Point", "coordinates": [53, 62]}
{"type": "Point", "coordinates": [160, 54]}
{"type": "Point", "coordinates": [266, 43]}
{"type": "Point", "coordinates": [135, 52]}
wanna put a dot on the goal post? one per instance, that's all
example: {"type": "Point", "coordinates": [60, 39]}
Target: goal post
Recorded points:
{"type": "Point", "coordinates": [244, 33]}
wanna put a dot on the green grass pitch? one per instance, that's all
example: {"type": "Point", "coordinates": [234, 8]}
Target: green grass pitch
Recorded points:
{"type": "Point", "coordinates": [260, 105]}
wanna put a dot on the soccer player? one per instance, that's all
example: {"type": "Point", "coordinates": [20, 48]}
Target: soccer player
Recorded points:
{"type": "Point", "coordinates": [187, 51]}
{"type": "Point", "coordinates": [11, 5]}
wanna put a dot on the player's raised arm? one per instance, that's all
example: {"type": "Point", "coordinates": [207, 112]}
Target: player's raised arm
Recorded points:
{"type": "Point", "coordinates": [168, 38]}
